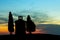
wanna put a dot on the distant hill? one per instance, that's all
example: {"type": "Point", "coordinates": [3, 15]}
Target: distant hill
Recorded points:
{"type": "Point", "coordinates": [50, 28]}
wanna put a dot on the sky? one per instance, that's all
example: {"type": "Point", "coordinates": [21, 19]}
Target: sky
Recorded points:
{"type": "Point", "coordinates": [41, 11]}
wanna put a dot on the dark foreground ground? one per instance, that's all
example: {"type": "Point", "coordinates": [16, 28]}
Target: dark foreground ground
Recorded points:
{"type": "Point", "coordinates": [32, 37]}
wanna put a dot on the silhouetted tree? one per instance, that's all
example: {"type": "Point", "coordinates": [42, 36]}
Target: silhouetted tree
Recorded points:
{"type": "Point", "coordinates": [30, 25]}
{"type": "Point", "coordinates": [10, 24]}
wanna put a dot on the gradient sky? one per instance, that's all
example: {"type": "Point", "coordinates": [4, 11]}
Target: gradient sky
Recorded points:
{"type": "Point", "coordinates": [47, 11]}
{"type": "Point", "coordinates": [41, 11]}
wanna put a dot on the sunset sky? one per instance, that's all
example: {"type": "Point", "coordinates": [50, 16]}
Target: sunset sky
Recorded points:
{"type": "Point", "coordinates": [41, 11]}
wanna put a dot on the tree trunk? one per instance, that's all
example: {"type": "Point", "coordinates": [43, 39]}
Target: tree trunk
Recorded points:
{"type": "Point", "coordinates": [11, 33]}
{"type": "Point", "coordinates": [30, 33]}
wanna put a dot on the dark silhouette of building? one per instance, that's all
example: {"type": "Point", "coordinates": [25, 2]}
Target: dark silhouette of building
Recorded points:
{"type": "Point", "coordinates": [20, 28]}
{"type": "Point", "coordinates": [30, 25]}
{"type": "Point", "coordinates": [10, 23]}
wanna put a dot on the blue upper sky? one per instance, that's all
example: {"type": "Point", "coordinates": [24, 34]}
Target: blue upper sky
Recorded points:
{"type": "Point", "coordinates": [22, 7]}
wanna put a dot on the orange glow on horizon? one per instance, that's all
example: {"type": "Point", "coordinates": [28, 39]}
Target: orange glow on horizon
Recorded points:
{"type": "Point", "coordinates": [38, 31]}
{"type": "Point", "coordinates": [4, 30]}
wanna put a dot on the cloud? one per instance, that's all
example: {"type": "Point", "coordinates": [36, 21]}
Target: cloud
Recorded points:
{"type": "Point", "coordinates": [15, 14]}
{"type": "Point", "coordinates": [0, 15]}
{"type": "Point", "coordinates": [36, 16]}
{"type": "Point", "coordinates": [3, 20]}
{"type": "Point", "coordinates": [25, 11]}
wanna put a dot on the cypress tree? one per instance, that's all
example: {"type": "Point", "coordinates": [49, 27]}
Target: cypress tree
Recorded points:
{"type": "Point", "coordinates": [10, 24]}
